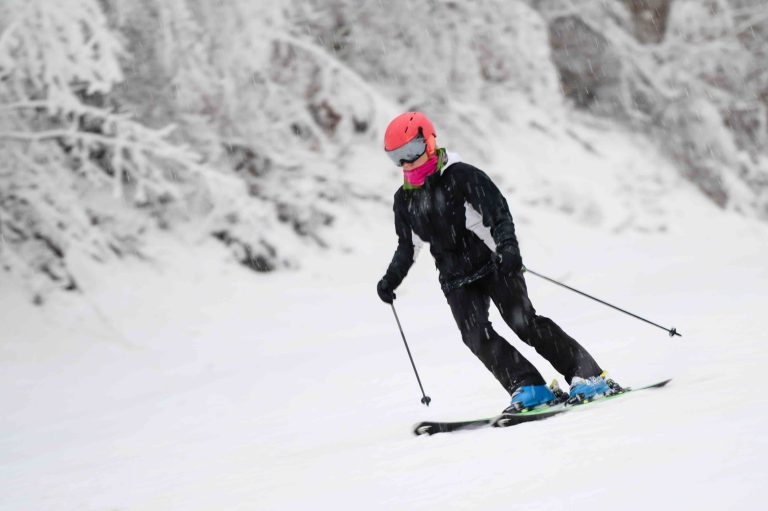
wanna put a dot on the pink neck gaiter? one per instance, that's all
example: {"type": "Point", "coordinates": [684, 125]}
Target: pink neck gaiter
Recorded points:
{"type": "Point", "coordinates": [417, 176]}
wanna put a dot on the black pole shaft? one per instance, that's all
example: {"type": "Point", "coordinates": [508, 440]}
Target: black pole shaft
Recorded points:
{"type": "Point", "coordinates": [425, 399]}
{"type": "Point", "coordinates": [672, 332]}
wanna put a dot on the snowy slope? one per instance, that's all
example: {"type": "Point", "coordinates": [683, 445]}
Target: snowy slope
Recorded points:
{"type": "Point", "coordinates": [191, 383]}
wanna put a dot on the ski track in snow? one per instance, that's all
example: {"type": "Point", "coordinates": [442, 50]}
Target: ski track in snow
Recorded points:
{"type": "Point", "coordinates": [196, 384]}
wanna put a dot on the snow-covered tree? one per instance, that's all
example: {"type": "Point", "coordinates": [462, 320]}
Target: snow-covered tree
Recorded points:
{"type": "Point", "coordinates": [690, 72]}
{"type": "Point", "coordinates": [120, 117]}
{"type": "Point", "coordinates": [439, 56]}
{"type": "Point", "coordinates": [64, 144]}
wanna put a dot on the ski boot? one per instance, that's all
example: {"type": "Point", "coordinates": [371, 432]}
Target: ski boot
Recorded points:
{"type": "Point", "coordinates": [561, 396]}
{"type": "Point", "coordinates": [615, 387]}
{"type": "Point", "coordinates": [584, 390]}
{"type": "Point", "coordinates": [529, 397]}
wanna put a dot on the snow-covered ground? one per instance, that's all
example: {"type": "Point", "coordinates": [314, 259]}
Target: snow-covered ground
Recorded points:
{"type": "Point", "coordinates": [191, 383]}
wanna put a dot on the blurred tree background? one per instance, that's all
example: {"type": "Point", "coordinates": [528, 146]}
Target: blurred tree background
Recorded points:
{"type": "Point", "coordinates": [235, 120]}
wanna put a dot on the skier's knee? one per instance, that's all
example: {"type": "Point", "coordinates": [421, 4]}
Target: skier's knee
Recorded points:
{"type": "Point", "coordinates": [476, 338]}
{"type": "Point", "coordinates": [521, 323]}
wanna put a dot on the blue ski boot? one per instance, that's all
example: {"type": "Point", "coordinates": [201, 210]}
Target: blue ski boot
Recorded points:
{"type": "Point", "coordinates": [529, 397]}
{"type": "Point", "coordinates": [587, 389]}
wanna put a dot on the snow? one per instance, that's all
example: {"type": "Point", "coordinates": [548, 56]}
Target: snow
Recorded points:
{"type": "Point", "coordinates": [179, 379]}
{"type": "Point", "coordinates": [188, 382]}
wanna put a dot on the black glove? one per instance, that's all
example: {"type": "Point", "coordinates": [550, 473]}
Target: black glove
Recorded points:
{"type": "Point", "coordinates": [385, 290]}
{"type": "Point", "coordinates": [509, 261]}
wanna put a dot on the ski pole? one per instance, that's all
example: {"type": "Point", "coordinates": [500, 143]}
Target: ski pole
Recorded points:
{"type": "Point", "coordinates": [425, 398]}
{"type": "Point", "coordinates": [671, 331]}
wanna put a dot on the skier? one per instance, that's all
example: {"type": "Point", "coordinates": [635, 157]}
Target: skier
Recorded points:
{"type": "Point", "coordinates": [460, 212]}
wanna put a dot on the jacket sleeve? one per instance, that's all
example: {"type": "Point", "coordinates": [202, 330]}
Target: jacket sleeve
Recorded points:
{"type": "Point", "coordinates": [406, 251]}
{"type": "Point", "coordinates": [485, 197]}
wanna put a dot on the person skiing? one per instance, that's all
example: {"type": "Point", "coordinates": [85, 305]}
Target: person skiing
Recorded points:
{"type": "Point", "coordinates": [461, 213]}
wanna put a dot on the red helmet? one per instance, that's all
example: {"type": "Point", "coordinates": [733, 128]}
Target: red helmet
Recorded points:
{"type": "Point", "coordinates": [408, 136]}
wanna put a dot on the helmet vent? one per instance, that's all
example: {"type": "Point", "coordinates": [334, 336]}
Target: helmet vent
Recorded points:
{"type": "Point", "coordinates": [400, 130]}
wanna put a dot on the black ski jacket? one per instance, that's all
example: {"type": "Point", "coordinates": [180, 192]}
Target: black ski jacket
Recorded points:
{"type": "Point", "coordinates": [463, 216]}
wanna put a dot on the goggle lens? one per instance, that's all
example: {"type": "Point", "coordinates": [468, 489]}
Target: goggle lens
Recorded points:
{"type": "Point", "coordinates": [408, 153]}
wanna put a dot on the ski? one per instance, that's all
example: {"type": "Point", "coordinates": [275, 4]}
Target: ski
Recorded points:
{"type": "Point", "coordinates": [432, 428]}
{"type": "Point", "coordinates": [506, 420]}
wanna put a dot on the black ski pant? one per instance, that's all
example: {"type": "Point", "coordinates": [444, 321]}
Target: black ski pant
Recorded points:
{"type": "Point", "coordinates": [470, 305]}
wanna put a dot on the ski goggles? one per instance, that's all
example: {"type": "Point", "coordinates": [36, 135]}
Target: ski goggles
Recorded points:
{"type": "Point", "coordinates": [409, 152]}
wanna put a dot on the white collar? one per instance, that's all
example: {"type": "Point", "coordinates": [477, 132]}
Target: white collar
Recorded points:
{"type": "Point", "coordinates": [451, 158]}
